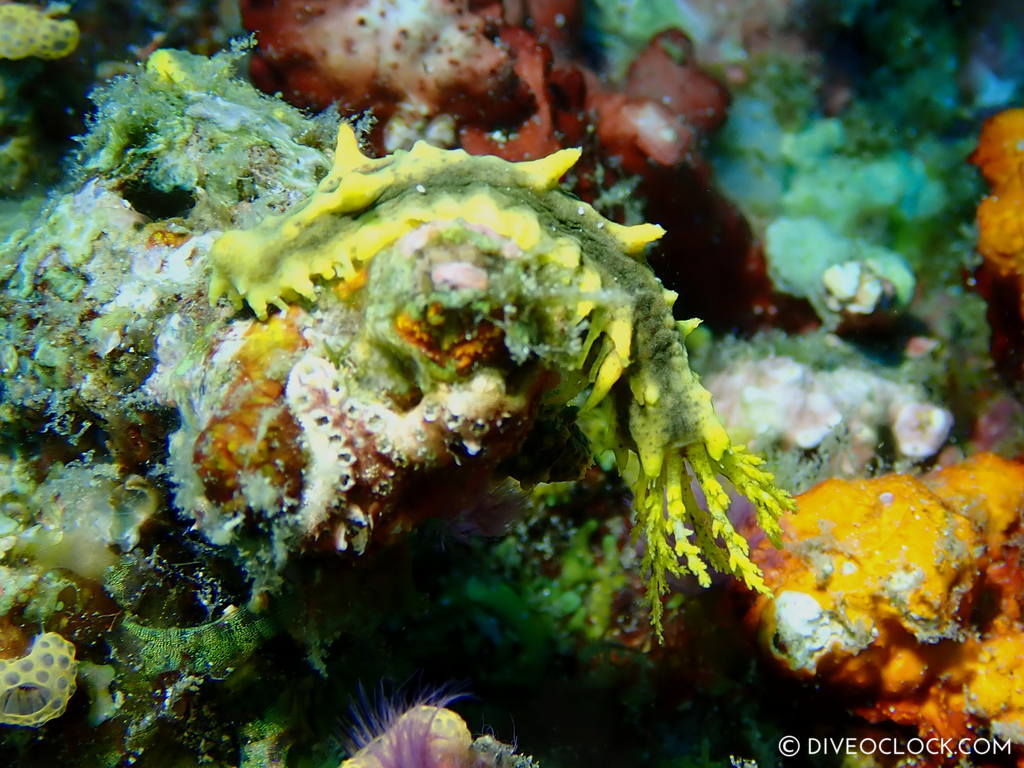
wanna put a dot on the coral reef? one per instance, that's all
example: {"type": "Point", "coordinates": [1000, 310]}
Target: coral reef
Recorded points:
{"type": "Point", "coordinates": [294, 405]}
{"type": "Point", "coordinates": [897, 591]}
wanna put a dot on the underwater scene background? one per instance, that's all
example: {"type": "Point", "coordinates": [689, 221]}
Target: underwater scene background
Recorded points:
{"type": "Point", "coordinates": [511, 383]}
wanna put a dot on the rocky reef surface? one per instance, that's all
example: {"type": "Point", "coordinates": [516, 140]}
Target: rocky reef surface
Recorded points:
{"type": "Point", "coordinates": [405, 384]}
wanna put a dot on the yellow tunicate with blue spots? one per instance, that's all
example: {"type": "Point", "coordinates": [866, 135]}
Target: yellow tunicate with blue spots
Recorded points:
{"type": "Point", "coordinates": [28, 31]}
{"type": "Point", "coordinates": [36, 688]}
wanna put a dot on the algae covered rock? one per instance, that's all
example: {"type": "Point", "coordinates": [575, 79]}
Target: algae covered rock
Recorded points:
{"type": "Point", "coordinates": [186, 131]}
{"type": "Point", "coordinates": [110, 252]}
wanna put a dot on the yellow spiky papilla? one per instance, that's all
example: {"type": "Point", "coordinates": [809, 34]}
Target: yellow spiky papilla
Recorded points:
{"type": "Point", "coordinates": [280, 258]}
{"type": "Point", "coordinates": [631, 365]}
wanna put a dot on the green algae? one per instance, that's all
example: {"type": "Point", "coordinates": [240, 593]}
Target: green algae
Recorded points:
{"type": "Point", "coordinates": [210, 649]}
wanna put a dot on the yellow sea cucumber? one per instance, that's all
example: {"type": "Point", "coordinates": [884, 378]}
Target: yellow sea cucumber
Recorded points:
{"type": "Point", "coordinates": [578, 273]}
{"type": "Point", "coordinates": [367, 204]}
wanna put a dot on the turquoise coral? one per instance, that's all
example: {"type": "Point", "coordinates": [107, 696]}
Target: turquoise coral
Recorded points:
{"type": "Point", "coordinates": [844, 226]}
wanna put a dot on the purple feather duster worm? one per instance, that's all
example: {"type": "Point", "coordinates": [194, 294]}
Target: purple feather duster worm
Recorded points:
{"type": "Point", "coordinates": [403, 733]}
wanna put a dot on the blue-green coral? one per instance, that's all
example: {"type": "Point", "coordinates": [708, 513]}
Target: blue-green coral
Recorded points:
{"type": "Point", "coordinates": [850, 218]}
{"type": "Point", "coordinates": [830, 217]}
{"type": "Point", "coordinates": [576, 294]}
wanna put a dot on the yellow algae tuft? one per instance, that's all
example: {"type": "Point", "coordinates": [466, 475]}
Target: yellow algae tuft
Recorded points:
{"type": "Point", "coordinates": [30, 31]}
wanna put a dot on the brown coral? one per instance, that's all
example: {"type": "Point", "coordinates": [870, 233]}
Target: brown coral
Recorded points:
{"type": "Point", "coordinates": [410, 61]}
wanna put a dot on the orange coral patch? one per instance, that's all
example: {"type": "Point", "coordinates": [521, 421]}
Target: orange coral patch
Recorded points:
{"type": "Point", "coordinates": [1001, 228]}
{"type": "Point", "coordinates": [1000, 157]}
{"type": "Point", "coordinates": [986, 488]}
{"type": "Point", "coordinates": [166, 239]}
{"type": "Point", "coordinates": [1000, 152]}
{"type": "Point", "coordinates": [483, 344]}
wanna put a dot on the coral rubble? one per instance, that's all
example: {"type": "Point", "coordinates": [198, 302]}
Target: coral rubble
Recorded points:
{"type": "Point", "coordinates": [779, 400]}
